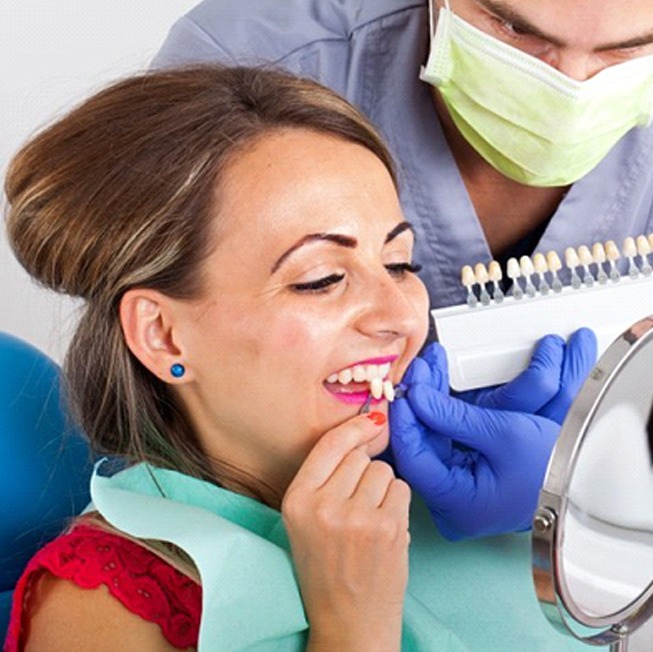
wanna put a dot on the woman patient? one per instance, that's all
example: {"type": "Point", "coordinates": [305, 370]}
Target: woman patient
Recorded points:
{"type": "Point", "coordinates": [248, 282]}
{"type": "Point", "coordinates": [237, 238]}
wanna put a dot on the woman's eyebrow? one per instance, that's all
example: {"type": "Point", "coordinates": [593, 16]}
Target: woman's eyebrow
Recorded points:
{"type": "Point", "coordinates": [400, 228]}
{"type": "Point", "coordinates": [342, 240]}
{"type": "Point", "coordinates": [337, 238]}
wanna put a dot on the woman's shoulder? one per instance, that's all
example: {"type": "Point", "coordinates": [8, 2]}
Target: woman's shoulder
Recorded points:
{"type": "Point", "coordinates": [97, 583]}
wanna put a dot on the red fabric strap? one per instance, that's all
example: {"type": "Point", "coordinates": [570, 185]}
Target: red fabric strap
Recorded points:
{"type": "Point", "coordinates": [143, 582]}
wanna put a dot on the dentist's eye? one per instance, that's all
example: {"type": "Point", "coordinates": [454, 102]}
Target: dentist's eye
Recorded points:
{"type": "Point", "coordinates": [521, 36]}
{"type": "Point", "coordinates": [400, 270]}
{"type": "Point", "coordinates": [319, 285]}
{"type": "Point", "coordinates": [513, 29]}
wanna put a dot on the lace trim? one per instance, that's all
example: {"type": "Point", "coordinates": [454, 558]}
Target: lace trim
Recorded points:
{"type": "Point", "coordinates": [143, 582]}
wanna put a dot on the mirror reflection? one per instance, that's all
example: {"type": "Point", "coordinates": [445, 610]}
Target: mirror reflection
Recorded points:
{"type": "Point", "coordinates": [607, 543]}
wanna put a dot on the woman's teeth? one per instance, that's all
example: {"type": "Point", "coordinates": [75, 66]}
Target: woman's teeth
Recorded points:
{"type": "Point", "coordinates": [371, 373]}
{"type": "Point", "coordinates": [379, 388]}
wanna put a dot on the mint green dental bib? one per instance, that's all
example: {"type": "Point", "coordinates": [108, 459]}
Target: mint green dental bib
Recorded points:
{"type": "Point", "coordinates": [462, 597]}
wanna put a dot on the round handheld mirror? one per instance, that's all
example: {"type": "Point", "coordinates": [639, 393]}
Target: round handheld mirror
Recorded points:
{"type": "Point", "coordinates": [593, 529]}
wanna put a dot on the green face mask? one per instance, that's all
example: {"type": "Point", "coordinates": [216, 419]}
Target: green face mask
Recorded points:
{"type": "Point", "coordinates": [531, 122]}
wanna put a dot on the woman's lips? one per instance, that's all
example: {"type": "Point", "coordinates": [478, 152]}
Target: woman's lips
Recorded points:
{"type": "Point", "coordinates": [352, 394]}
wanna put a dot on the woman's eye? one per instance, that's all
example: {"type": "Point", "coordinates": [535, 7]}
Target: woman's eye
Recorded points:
{"type": "Point", "coordinates": [319, 285]}
{"type": "Point", "coordinates": [399, 270]}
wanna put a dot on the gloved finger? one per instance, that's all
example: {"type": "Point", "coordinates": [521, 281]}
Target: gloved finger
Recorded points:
{"type": "Point", "coordinates": [478, 428]}
{"type": "Point", "coordinates": [415, 460]}
{"type": "Point", "coordinates": [418, 372]}
{"type": "Point", "coordinates": [404, 422]}
{"type": "Point", "coordinates": [430, 368]}
{"type": "Point", "coordinates": [580, 357]}
{"type": "Point", "coordinates": [534, 387]}
{"type": "Point", "coordinates": [436, 358]}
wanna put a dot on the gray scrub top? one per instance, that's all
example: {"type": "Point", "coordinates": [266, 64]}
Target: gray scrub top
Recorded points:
{"type": "Point", "coordinates": [371, 51]}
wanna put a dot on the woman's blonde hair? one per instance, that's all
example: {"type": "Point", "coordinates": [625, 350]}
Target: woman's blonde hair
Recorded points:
{"type": "Point", "coordinates": [119, 194]}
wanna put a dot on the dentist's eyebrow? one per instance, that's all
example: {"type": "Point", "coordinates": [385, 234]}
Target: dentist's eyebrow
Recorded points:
{"type": "Point", "coordinates": [341, 240]}
{"type": "Point", "coordinates": [635, 42]}
{"type": "Point", "coordinates": [507, 13]}
{"type": "Point", "coordinates": [503, 11]}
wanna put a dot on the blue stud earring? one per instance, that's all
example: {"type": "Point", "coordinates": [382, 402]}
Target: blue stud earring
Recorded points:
{"type": "Point", "coordinates": [177, 370]}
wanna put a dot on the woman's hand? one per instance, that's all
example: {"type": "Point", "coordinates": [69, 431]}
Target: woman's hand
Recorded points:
{"type": "Point", "coordinates": [347, 519]}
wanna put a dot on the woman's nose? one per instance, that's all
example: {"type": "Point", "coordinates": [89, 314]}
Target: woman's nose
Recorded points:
{"type": "Point", "coordinates": [391, 310]}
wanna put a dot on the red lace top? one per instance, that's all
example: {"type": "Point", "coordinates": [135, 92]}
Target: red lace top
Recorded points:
{"type": "Point", "coordinates": [142, 581]}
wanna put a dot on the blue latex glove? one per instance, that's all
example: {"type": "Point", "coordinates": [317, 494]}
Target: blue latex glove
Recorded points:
{"type": "Point", "coordinates": [548, 386]}
{"type": "Point", "coordinates": [491, 485]}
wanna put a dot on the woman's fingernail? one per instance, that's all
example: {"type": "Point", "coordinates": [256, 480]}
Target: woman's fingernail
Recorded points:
{"type": "Point", "coordinates": [378, 418]}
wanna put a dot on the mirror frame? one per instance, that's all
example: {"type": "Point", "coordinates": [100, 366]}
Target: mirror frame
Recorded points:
{"type": "Point", "coordinates": [549, 520]}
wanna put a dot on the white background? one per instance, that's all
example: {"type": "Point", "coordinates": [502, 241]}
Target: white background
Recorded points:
{"type": "Point", "coordinates": [53, 53]}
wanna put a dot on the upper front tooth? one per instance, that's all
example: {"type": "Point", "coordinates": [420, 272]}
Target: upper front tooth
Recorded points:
{"type": "Point", "coordinates": [345, 376]}
{"type": "Point", "coordinates": [360, 373]}
{"type": "Point", "coordinates": [376, 371]}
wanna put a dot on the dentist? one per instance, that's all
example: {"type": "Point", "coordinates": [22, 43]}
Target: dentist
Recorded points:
{"type": "Point", "coordinates": [518, 127]}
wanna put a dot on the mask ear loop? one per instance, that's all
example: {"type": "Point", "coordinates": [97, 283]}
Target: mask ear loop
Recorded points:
{"type": "Point", "coordinates": [431, 12]}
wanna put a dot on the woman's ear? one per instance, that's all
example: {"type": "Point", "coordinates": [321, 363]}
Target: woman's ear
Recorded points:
{"type": "Point", "coordinates": [146, 317]}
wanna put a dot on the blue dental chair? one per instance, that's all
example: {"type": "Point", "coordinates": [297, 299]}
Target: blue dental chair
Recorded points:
{"type": "Point", "coordinates": [45, 465]}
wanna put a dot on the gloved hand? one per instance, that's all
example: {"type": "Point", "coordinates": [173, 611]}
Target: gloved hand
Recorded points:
{"type": "Point", "coordinates": [488, 487]}
{"type": "Point", "coordinates": [548, 386]}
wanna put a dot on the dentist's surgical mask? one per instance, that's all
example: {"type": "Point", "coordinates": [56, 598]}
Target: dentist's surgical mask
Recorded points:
{"type": "Point", "coordinates": [530, 121]}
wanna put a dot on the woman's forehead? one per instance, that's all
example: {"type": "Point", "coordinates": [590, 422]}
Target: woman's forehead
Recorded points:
{"type": "Point", "coordinates": [304, 180]}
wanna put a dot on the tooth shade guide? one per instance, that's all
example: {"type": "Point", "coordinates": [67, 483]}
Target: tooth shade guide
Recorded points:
{"type": "Point", "coordinates": [495, 274]}
{"type": "Point", "coordinates": [555, 265]}
{"type": "Point", "coordinates": [376, 388]}
{"type": "Point", "coordinates": [481, 273]}
{"type": "Point", "coordinates": [630, 251]}
{"type": "Point", "coordinates": [541, 268]}
{"type": "Point", "coordinates": [586, 259]}
{"type": "Point", "coordinates": [388, 391]}
{"type": "Point", "coordinates": [553, 261]}
{"type": "Point", "coordinates": [571, 258]}
{"type": "Point", "coordinates": [644, 249]}
{"type": "Point", "coordinates": [629, 248]}
{"type": "Point", "coordinates": [527, 270]}
{"type": "Point", "coordinates": [612, 254]}
{"type": "Point", "coordinates": [482, 278]}
{"type": "Point", "coordinates": [492, 344]}
{"type": "Point", "coordinates": [598, 254]}
{"type": "Point", "coordinates": [513, 272]}
{"type": "Point", "coordinates": [580, 263]}
{"type": "Point", "coordinates": [468, 279]}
